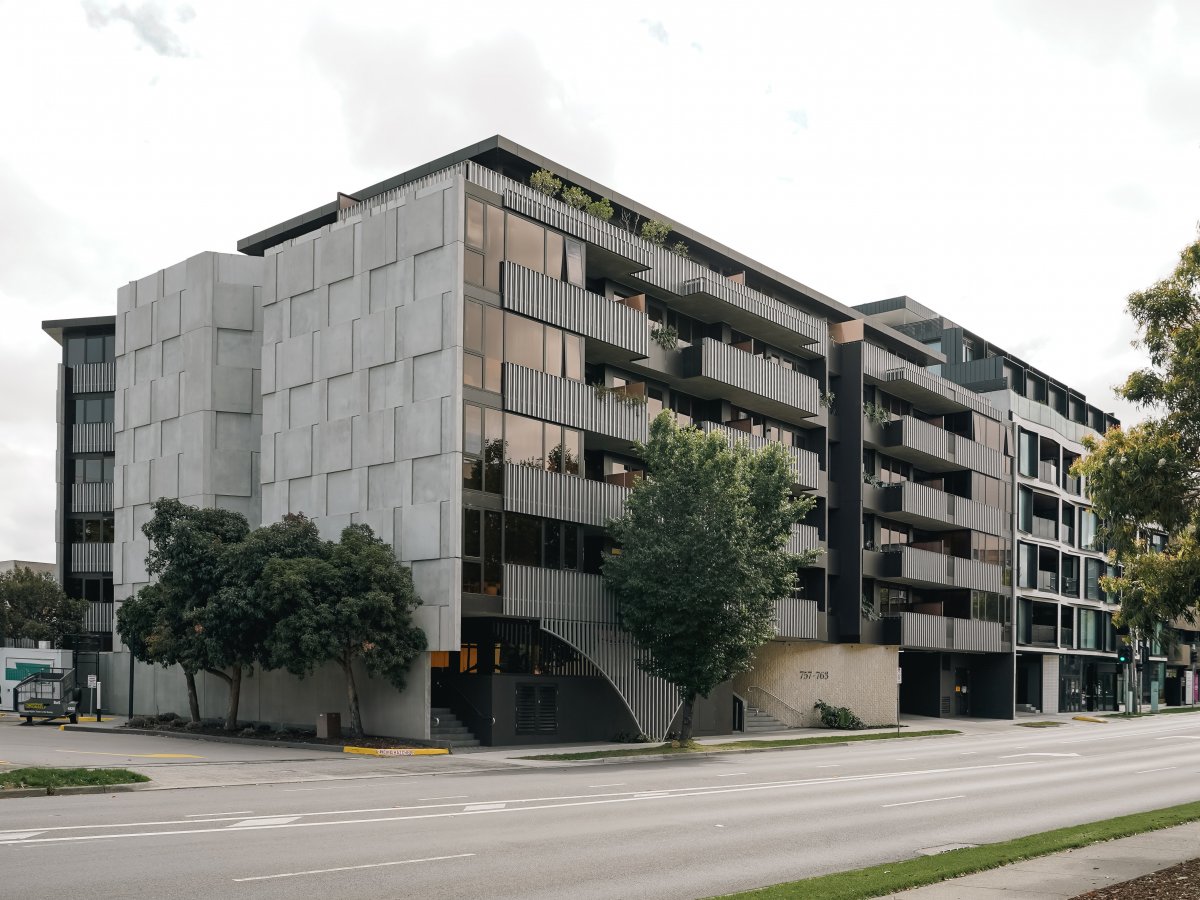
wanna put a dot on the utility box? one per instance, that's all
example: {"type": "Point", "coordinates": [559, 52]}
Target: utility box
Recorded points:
{"type": "Point", "coordinates": [329, 725]}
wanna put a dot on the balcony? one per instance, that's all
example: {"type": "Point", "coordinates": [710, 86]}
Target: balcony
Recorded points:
{"type": "Point", "coordinates": [1070, 586]}
{"type": "Point", "coordinates": [93, 437]}
{"type": "Point", "coordinates": [98, 618]}
{"type": "Point", "coordinates": [1047, 581]}
{"type": "Point", "coordinates": [1072, 485]}
{"type": "Point", "coordinates": [925, 568]}
{"type": "Point", "coordinates": [1048, 472]}
{"type": "Point", "coordinates": [720, 370]}
{"type": "Point", "coordinates": [936, 510]}
{"type": "Point", "coordinates": [715, 298]}
{"type": "Point", "coordinates": [930, 392]}
{"type": "Point", "coordinates": [570, 498]}
{"type": "Point", "coordinates": [799, 620]}
{"type": "Point", "coordinates": [89, 558]}
{"type": "Point", "coordinates": [804, 538]}
{"type": "Point", "coordinates": [1043, 635]}
{"type": "Point", "coordinates": [92, 497]}
{"type": "Point", "coordinates": [937, 450]}
{"type": "Point", "coordinates": [572, 403]}
{"type": "Point", "coordinates": [805, 464]}
{"type": "Point", "coordinates": [566, 306]}
{"type": "Point", "coordinates": [1046, 529]}
{"type": "Point", "coordinates": [94, 378]}
{"type": "Point", "coordinates": [920, 631]}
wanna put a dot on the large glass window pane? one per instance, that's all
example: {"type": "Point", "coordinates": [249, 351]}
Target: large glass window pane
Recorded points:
{"type": "Point", "coordinates": [472, 370]}
{"type": "Point", "coordinates": [493, 348]}
{"type": "Point", "coordinates": [493, 451]}
{"type": "Point", "coordinates": [474, 223]}
{"type": "Point", "coordinates": [93, 470]}
{"type": "Point", "coordinates": [75, 530]}
{"type": "Point", "coordinates": [552, 544]}
{"type": "Point", "coordinates": [523, 440]}
{"type": "Point", "coordinates": [573, 356]}
{"type": "Point", "coordinates": [574, 262]}
{"type": "Point", "coordinates": [494, 248]}
{"type": "Point", "coordinates": [554, 255]}
{"type": "Point", "coordinates": [473, 326]}
{"type": "Point", "coordinates": [526, 244]}
{"type": "Point", "coordinates": [472, 429]}
{"type": "Point", "coordinates": [95, 349]}
{"type": "Point", "coordinates": [76, 351]}
{"type": "Point", "coordinates": [91, 531]}
{"type": "Point", "coordinates": [554, 351]}
{"type": "Point", "coordinates": [472, 533]}
{"type": "Point", "coordinates": [492, 549]}
{"type": "Point", "coordinates": [473, 265]}
{"type": "Point", "coordinates": [95, 410]}
{"type": "Point", "coordinates": [523, 342]}
{"type": "Point", "coordinates": [472, 580]}
{"type": "Point", "coordinates": [572, 452]}
{"type": "Point", "coordinates": [570, 546]}
{"type": "Point", "coordinates": [110, 345]}
{"type": "Point", "coordinates": [108, 469]}
{"type": "Point", "coordinates": [108, 410]}
{"type": "Point", "coordinates": [108, 531]}
{"type": "Point", "coordinates": [522, 540]}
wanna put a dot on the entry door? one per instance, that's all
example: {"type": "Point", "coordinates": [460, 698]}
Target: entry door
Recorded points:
{"type": "Point", "coordinates": [962, 692]}
{"type": "Point", "coordinates": [1072, 695]}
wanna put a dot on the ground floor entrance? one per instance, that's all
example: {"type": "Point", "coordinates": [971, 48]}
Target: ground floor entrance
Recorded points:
{"type": "Point", "coordinates": [956, 684]}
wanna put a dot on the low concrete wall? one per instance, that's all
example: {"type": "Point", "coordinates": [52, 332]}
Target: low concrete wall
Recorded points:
{"type": "Point", "coordinates": [859, 676]}
{"type": "Point", "coordinates": [274, 697]}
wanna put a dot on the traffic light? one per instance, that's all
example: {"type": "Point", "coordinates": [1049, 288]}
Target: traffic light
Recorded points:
{"type": "Point", "coordinates": [1124, 653]}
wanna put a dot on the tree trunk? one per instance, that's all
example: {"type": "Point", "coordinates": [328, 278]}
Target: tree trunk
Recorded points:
{"type": "Point", "coordinates": [356, 726]}
{"type": "Point", "coordinates": [235, 697]}
{"type": "Point", "coordinates": [193, 698]}
{"type": "Point", "coordinates": [685, 719]}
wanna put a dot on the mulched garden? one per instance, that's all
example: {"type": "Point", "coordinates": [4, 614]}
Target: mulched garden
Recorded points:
{"type": "Point", "coordinates": [1181, 882]}
{"type": "Point", "coordinates": [175, 724]}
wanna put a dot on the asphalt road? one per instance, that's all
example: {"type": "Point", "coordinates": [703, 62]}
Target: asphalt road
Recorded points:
{"type": "Point", "coordinates": [676, 829]}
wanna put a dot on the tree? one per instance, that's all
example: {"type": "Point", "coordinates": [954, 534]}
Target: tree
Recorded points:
{"type": "Point", "coordinates": [33, 606]}
{"type": "Point", "coordinates": [703, 556]}
{"type": "Point", "coordinates": [1148, 476]}
{"type": "Point", "coordinates": [351, 601]}
{"type": "Point", "coordinates": [655, 231]}
{"type": "Point", "coordinates": [545, 181]}
{"type": "Point", "coordinates": [189, 558]}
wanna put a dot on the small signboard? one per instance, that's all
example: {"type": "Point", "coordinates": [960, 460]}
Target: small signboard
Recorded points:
{"type": "Point", "coordinates": [91, 682]}
{"type": "Point", "coordinates": [899, 675]}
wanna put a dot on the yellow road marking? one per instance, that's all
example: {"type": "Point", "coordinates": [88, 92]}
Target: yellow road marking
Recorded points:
{"type": "Point", "coordinates": [135, 755]}
{"type": "Point", "coordinates": [396, 751]}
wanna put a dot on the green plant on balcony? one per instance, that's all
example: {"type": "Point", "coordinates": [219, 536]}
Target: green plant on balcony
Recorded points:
{"type": "Point", "coordinates": [665, 336]}
{"type": "Point", "coordinates": [867, 605]}
{"type": "Point", "coordinates": [828, 398]}
{"type": "Point", "coordinates": [679, 248]}
{"type": "Point", "coordinates": [869, 478]}
{"type": "Point", "coordinates": [577, 198]}
{"type": "Point", "coordinates": [655, 231]}
{"type": "Point", "coordinates": [546, 182]}
{"type": "Point", "coordinates": [877, 414]}
{"type": "Point", "coordinates": [618, 394]}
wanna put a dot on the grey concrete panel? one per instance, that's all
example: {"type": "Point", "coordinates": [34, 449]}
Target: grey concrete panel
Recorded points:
{"type": "Point", "coordinates": [147, 363]}
{"type": "Point", "coordinates": [236, 432]}
{"type": "Point", "coordinates": [294, 454]}
{"type": "Point", "coordinates": [347, 396]}
{"type": "Point", "coordinates": [126, 300]}
{"type": "Point", "coordinates": [123, 522]}
{"type": "Point", "coordinates": [232, 389]}
{"type": "Point", "coordinates": [170, 437]}
{"type": "Point", "coordinates": [294, 362]}
{"type": "Point", "coordinates": [233, 306]}
{"type": "Point", "coordinates": [302, 406]}
{"type": "Point", "coordinates": [307, 312]}
{"type": "Point", "coordinates": [275, 412]}
{"type": "Point", "coordinates": [379, 521]}
{"type": "Point", "coordinates": [270, 270]}
{"type": "Point", "coordinates": [337, 350]}
{"type": "Point", "coordinates": [336, 255]}
{"type": "Point", "coordinates": [235, 268]}
{"type": "Point", "coordinates": [164, 477]}
{"type": "Point", "coordinates": [374, 438]}
{"type": "Point", "coordinates": [139, 328]}
{"type": "Point", "coordinates": [420, 225]}
{"type": "Point", "coordinates": [301, 497]}
{"type": "Point", "coordinates": [238, 348]}
{"type": "Point", "coordinates": [172, 356]}
{"type": "Point", "coordinates": [119, 484]}
{"type": "Point", "coordinates": [230, 472]}
{"type": "Point", "coordinates": [342, 492]}
{"type": "Point", "coordinates": [334, 445]}
{"type": "Point", "coordinates": [149, 289]}
{"type": "Point", "coordinates": [137, 405]}
{"type": "Point", "coordinates": [174, 278]}
{"type": "Point", "coordinates": [273, 323]}
{"type": "Point", "coordinates": [195, 310]}
{"type": "Point", "coordinates": [145, 443]}
{"type": "Point", "coordinates": [452, 424]}
{"type": "Point", "coordinates": [268, 368]}
{"type": "Point", "coordinates": [435, 374]}
{"type": "Point", "coordinates": [274, 501]}
{"type": "Point", "coordinates": [379, 240]}
{"type": "Point", "coordinates": [266, 458]}
{"type": "Point", "coordinates": [438, 271]}
{"type": "Point", "coordinates": [451, 529]}
{"type": "Point", "coordinates": [164, 398]}
{"type": "Point", "coordinates": [329, 527]}
{"type": "Point", "coordinates": [419, 326]}
{"type": "Point", "coordinates": [422, 529]}
{"type": "Point", "coordinates": [380, 386]}
{"type": "Point", "coordinates": [385, 485]}
{"type": "Point", "coordinates": [133, 563]}
{"type": "Point", "coordinates": [436, 581]}
{"type": "Point", "coordinates": [374, 340]}
{"type": "Point", "coordinates": [137, 483]}
{"type": "Point", "coordinates": [419, 430]}
{"type": "Point", "coordinates": [295, 269]}
{"type": "Point", "coordinates": [452, 214]}
{"type": "Point", "coordinates": [345, 300]}
{"type": "Point", "coordinates": [434, 477]}
{"type": "Point", "coordinates": [166, 317]}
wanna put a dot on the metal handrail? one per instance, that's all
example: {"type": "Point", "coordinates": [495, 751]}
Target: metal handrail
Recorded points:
{"type": "Point", "coordinates": [463, 697]}
{"type": "Point", "coordinates": [783, 703]}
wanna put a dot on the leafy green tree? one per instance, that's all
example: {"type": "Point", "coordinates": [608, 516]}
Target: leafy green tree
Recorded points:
{"type": "Point", "coordinates": [576, 197]}
{"type": "Point", "coordinates": [655, 231]}
{"type": "Point", "coordinates": [601, 209]}
{"type": "Point", "coordinates": [351, 601]}
{"type": "Point", "coordinates": [545, 181]}
{"type": "Point", "coordinates": [33, 606]}
{"type": "Point", "coordinates": [703, 556]}
{"type": "Point", "coordinates": [188, 561]}
{"type": "Point", "coordinates": [1149, 475]}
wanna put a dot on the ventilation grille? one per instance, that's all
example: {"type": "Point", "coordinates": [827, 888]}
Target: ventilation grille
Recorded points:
{"type": "Point", "coordinates": [537, 709]}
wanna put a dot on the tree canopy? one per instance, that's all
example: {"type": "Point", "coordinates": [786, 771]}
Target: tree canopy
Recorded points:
{"type": "Point", "coordinates": [33, 606]}
{"type": "Point", "coordinates": [1148, 476]}
{"type": "Point", "coordinates": [703, 556]}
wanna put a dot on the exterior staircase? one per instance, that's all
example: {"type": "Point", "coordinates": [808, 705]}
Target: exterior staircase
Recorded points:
{"type": "Point", "coordinates": [445, 726]}
{"type": "Point", "coordinates": [758, 721]}
{"type": "Point", "coordinates": [1027, 708]}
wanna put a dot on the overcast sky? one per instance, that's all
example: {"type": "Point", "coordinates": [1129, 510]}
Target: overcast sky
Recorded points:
{"type": "Point", "coordinates": [1018, 166]}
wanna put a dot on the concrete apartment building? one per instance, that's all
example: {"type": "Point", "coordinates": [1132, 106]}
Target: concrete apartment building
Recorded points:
{"type": "Point", "coordinates": [465, 364]}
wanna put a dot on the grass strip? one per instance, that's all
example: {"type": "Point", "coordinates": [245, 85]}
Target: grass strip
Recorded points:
{"type": "Point", "coordinates": [659, 749]}
{"type": "Point", "coordinates": [1038, 724]}
{"type": "Point", "coordinates": [56, 778]}
{"type": "Point", "coordinates": [877, 881]}
{"type": "Point", "coordinates": [1162, 712]}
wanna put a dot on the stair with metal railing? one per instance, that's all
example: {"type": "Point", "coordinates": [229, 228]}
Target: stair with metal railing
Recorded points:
{"type": "Point", "coordinates": [758, 721]}
{"type": "Point", "coordinates": [445, 726]}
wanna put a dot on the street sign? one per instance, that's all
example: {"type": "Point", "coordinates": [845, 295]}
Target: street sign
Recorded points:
{"type": "Point", "coordinates": [899, 675]}
{"type": "Point", "coordinates": [91, 682]}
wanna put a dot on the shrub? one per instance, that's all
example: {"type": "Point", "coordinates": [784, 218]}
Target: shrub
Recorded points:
{"type": "Point", "coordinates": [655, 231]}
{"type": "Point", "coordinates": [576, 197]}
{"type": "Point", "coordinates": [838, 717]}
{"type": "Point", "coordinates": [544, 180]}
{"type": "Point", "coordinates": [666, 337]}
{"type": "Point", "coordinates": [679, 248]}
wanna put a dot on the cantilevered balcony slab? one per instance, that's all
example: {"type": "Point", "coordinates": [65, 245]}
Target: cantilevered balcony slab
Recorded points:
{"type": "Point", "coordinates": [806, 465]}
{"type": "Point", "coordinates": [937, 450]}
{"type": "Point", "coordinates": [574, 309]}
{"type": "Point", "coordinates": [572, 403]}
{"type": "Point", "coordinates": [929, 392]}
{"type": "Point", "coordinates": [797, 619]}
{"type": "Point", "coordinates": [936, 510]}
{"type": "Point", "coordinates": [570, 498]}
{"type": "Point", "coordinates": [919, 631]}
{"type": "Point", "coordinates": [924, 568]}
{"type": "Point", "coordinates": [710, 296]}
{"type": "Point", "coordinates": [715, 369]}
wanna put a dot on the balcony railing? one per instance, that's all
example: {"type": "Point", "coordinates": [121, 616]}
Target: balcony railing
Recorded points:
{"type": "Point", "coordinates": [805, 464]}
{"type": "Point", "coordinates": [93, 378]}
{"type": "Point", "coordinates": [938, 450]}
{"type": "Point", "coordinates": [746, 306]}
{"type": "Point", "coordinates": [92, 496]}
{"type": "Point", "coordinates": [98, 617]}
{"type": "Point", "coordinates": [1048, 472]}
{"type": "Point", "coordinates": [1047, 581]}
{"type": "Point", "coordinates": [570, 498]}
{"type": "Point", "coordinates": [572, 403]}
{"type": "Point", "coordinates": [93, 437]}
{"type": "Point", "coordinates": [574, 309]}
{"type": "Point", "coordinates": [924, 567]}
{"type": "Point", "coordinates": [922, 505]}
{"type": "Point", "coordinates": [1043, 634]}
{"type": "Point", "coordinates": [798, 619]}
{"type": "Point", "coordinates": [803, 539]}
{"type": "Point", "coordinates": [1072, 484]}
{"type": "Point", "coordinates": [748, 379]}
{"type": "Point", "coordinates": [925, 632]}
{"type": "Point", "coordinates": [930, 392]}
{"type": "Point", "coordinates": [1045, 528]}
{"type": "Point", "coordinates": [87, 558]}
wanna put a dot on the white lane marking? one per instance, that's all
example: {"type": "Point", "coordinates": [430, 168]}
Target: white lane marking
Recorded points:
{"type": "Point", "coordinates": [1180, 737]}
{"type": "Point", "coordinates": [731, 774]}
{"type": "Point", "coordinates": [483, 807]}
{"type": "Point", "coordinates": [833, 766]}
{"type": "Point", "coordinates": [930, 800]}
{"type": "Point", "coordinates": [238, 812]}
{"type": "Point", "coordinates": [1015, 755]}
{"type": "Point", "coordinates": [399, 862]}
{"type": "Point", "coordinates": [263, 821]}
{"type": "Point", "coordinates": [543, 803]}
{"type": "Point", "coordinates": [449, 797]}
{"type": "Point", "coordinates": [904, 758]}
{"type": "Point", "coordinates": [1148, 771]}
{"type": "Point", "coordinates": [15, 836]}
{"type": "Point", "coordinates": [609, 784]}
{"type": "Point", "coordinates": [969, 753]}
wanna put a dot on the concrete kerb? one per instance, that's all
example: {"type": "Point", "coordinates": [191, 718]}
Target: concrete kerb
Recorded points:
{"type": "Point", "coordinates": [16, 793]}
{"type": "Point", "coordinates": [658, 757]}
{"type": "Point", "coordinates": [424, 748]}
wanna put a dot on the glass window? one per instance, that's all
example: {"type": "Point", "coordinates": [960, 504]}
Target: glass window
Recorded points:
{"type": "Point", "coordinates": [472, 429]}
{"type": "Point", "coordinates": [523, 342]}
{"type": "Point", "coordinates": [472, 370]}
{"type": "Point", "coordinates": [572, 451]}
{"type": "Point", "coordinates": [554, 351]}
{"type": "Point", "coordinates": [472, 577]}
{"type": "Point", "coordinates": [552, 544]}
{"type": "Point", "coordinates": [110, 345]}
{"type": "Point", "coordinates": [574, 262]}
{"type": "Point", "coordinates": [570, 546]}
{"type": "Point", "coordinates": [473, 326]}
{"type": "Point", "coordinates": [76, 351]}
{"type": "Point", "coordinates": [1027, 447]}
{"type": "Point", "coordinates": [554, 255]}
{"type": "Point", "coordinates": [493, 451]}
{"type": "Point", "coordinates": [94, 470]}
{"type": "Point", "coordinates": [472, 533]}
{"type": "Point", "coordinates": [523, 441]}
{"type": "Point", "coordinates": [494, 247]}
{"type": "Point", "coordinates": [108, 410]}
{"type": "Point", "coordinates": [573, 352]}
{"type": "Point", "coordinates": [522, 540]}
{"type": "Point", "coordinates": [526, 244]}
{"type": "Point", "coordinates": [493, 348]}
{"type": "Point", "coordinates": [492, 565]}
{"type": "Point", "coordinates": [95, 349]}
{"type": "Point", "coordinates": [473, 267]}
{"type": "Point", "coordinates": [474, 234]}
